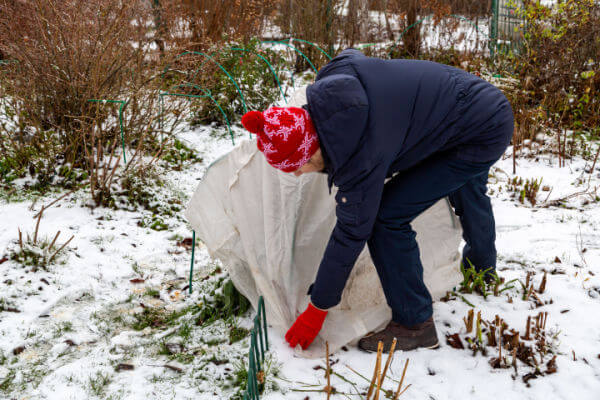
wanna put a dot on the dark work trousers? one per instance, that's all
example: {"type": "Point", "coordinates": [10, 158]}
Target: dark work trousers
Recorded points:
{"type": "Point", "coordinates": [392, 244]}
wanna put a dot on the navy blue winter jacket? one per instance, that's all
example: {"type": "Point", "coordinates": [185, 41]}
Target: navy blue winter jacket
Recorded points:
{"type": "Point", "coordinates": [375, 117]}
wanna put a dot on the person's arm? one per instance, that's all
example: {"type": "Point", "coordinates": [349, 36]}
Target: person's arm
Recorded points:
{"type": "Point", "coordinates": [356, 211]}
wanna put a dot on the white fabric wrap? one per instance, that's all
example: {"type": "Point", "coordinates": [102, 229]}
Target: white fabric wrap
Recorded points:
{"type": "Point", "coordinates": [270, 230]}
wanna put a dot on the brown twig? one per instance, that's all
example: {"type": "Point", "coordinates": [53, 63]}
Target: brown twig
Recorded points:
{"type": "Point", "coordinates": [376, 370]}
{"type": "Point", "coordinates": [398, 392]}
{"type": "Point", "coordinates": [61, 247]}
{"type": "Point", "coordinates": [469, 321]}
{"type": "Point", "coordinates": [61, 197]}
{"type": "Point", "coordinates": [389, 359]}
{"type": "Point", "coordinates": [327, 374]}
{"type": "Point", "coordinates": [20, 239]}
{"type": "Point", "coordinates": [37, 225]}
{"type": "Point", "coordinates": [53, 241]}
{"type": "Point", "coordinates": [379, 379]}
{"type": "Point", "coordinates": [542, 287]}
{"type": "Point", "coordinates": [528, 329]}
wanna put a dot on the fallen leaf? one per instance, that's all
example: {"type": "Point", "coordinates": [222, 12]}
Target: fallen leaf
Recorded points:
{"type": "Point", "coordinates": [124, 367]}
{"type": "Point", "coordinates": [173, 368]}
{"type": "Point", "coordinates": [137, 280]}
{"type": "Point", "coordinates": [454, 341]}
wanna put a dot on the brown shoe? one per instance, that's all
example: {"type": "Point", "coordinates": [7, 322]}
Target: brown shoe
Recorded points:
{"type": "Point", "coordinates": [408, 337]}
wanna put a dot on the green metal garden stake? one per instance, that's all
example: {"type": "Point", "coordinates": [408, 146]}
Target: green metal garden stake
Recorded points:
{"type": "Point", "coordinates": [192, 263]}
{"type": "Point", "coordinates": [261, 307]}
{"type": "Point", "coordinates": [122, 102]}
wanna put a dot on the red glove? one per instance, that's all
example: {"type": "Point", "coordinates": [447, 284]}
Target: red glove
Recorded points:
{"type": "Point", "coordinates": [306, 328]}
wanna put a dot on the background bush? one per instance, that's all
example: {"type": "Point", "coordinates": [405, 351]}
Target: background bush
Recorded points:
{"type": "Point", "coordinates": [62, 54]}
{"type": "Point", "coordinates": [557, 71]}
{"type": "Point", "coordinates": [253, 76]}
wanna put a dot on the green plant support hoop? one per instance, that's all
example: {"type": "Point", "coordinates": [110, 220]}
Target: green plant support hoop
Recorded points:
{"type": "Point", "coordinates": [206, 94]}
{"type": "Point", "coordinates": [268, 64]}
{"type": "Point", "coordinates": [123, 103]}
{"type": "Point", "coordinates": [312, 44]}
{"type": "Point", "coordinates": [220, 66]}
{"type": "Point", "coordinates": [293, 48]}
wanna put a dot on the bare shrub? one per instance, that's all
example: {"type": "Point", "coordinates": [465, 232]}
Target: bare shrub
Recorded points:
{"type": "Point", "coordinates": [558, 69]}
{"type": "Point", "coordinates": [64, 53]}
{"type": "Point", "coordinates": [200, 24]}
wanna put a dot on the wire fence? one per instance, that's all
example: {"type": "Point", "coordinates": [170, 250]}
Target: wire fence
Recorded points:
{"type": "Point", "coordinates": [259, 345]}
{"type": "Point", "coordinates": [507, 27]}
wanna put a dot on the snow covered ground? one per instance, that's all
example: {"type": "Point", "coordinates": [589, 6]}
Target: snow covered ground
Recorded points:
{"type": "Point", "coordinates": [77, 330]}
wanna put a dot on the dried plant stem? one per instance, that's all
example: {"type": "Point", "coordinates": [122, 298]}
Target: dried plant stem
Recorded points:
{"type": "Point", "coordinates": [528, 329]}
{"type": "Point", "coordinates": [376, 395]}
{"type": "Point", "coordinates": [376, 370]}
{"type": "Point", "coordinates": [327, 373]}
{"type": "Point", "coordinates": [398, 392]}
{"type": "Point", "coordinates": [389, 360]}
{"type": "Point", "coordinates": [20, 239]}
{"type": "Point", "coordinates": [529, 291]}
{"type": "Point", "coordinates": [54, 240]}
{"type": "Point", "coordinates": [60, 198]}
{"type": "Point", "coordinates": [500, 346]}
{"type": "Point", "coordinates": [37, 225]}
{"type": "Point", "coordinates": [61, 247]}
{"type": "Point", "coordinates": [542, 287]}
{"type": "Point", "coordinates": [469, 321]}
{"type": "Point", "coordinates": [537, 298]}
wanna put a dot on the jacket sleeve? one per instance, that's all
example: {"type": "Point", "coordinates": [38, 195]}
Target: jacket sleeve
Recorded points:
{"type": "Point", "coordinates": [356, 211]}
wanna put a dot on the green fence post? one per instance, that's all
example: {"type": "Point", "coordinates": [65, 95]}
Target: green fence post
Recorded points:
{"type": "Point", "coordinates": [493, 29]}
{"type": "Point", "coordinates": [261, 308]}
{"type": "Point", "coordinates": [192, 263]}
{"type": "Point", "coordinates": [122, 102]}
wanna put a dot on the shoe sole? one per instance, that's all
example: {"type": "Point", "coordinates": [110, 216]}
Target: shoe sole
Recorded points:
{"type": "Point", "coordinates": [432, 347]}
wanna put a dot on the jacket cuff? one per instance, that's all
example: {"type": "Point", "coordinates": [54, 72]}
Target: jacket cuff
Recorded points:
{"type": "Point", "coordinates": [323, 301]}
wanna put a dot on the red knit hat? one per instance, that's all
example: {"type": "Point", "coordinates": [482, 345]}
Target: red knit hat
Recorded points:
{"type": "Point", "coordinates": [286, 136]}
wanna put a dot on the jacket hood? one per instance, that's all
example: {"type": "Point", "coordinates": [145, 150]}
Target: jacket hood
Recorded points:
{"type": "Point", "coordinates": [339, 108]}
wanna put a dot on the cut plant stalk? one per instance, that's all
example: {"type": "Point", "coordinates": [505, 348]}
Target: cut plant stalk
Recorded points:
{"type": "Point", "coordinates": [37, 225]}
{"type": "Point", "coordinates": [398, 390]}
{"type": "Point", "coordinates": [389, 359]}
{"type": "Point", "coordinates": [327, 374]}
{"type": "Point", "coordinates": [61, 247]}
{"type": "Point", "coordinates": [376, 370]}
{"type": "Point", "coordinates": [542, 287]}
{"type": "Point", "coordinates": [469, 321]}
{"type": "Point", "coordinates": [528, 329]}
{"type": "Point", "coordinates": [54, 240]}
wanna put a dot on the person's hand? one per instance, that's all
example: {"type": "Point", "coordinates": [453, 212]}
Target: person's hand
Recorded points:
{"type": "Point", "coordinates": [306, 328]}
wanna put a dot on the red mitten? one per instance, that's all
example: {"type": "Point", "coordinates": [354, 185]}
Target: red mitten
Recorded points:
{"type": "Point", "coordinates": [306, 328]}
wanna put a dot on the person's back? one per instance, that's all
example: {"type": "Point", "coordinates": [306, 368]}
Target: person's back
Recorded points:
{"type": "Point", "coordinates": [416, 108]}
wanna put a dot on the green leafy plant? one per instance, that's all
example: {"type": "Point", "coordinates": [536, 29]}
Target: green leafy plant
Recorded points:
{"type": "Point", "coordinates": [230, 303]}
{"type": "Point", "coordinates": [525, 189]}
{"type": "Point", "coordinates": [98, 383]}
